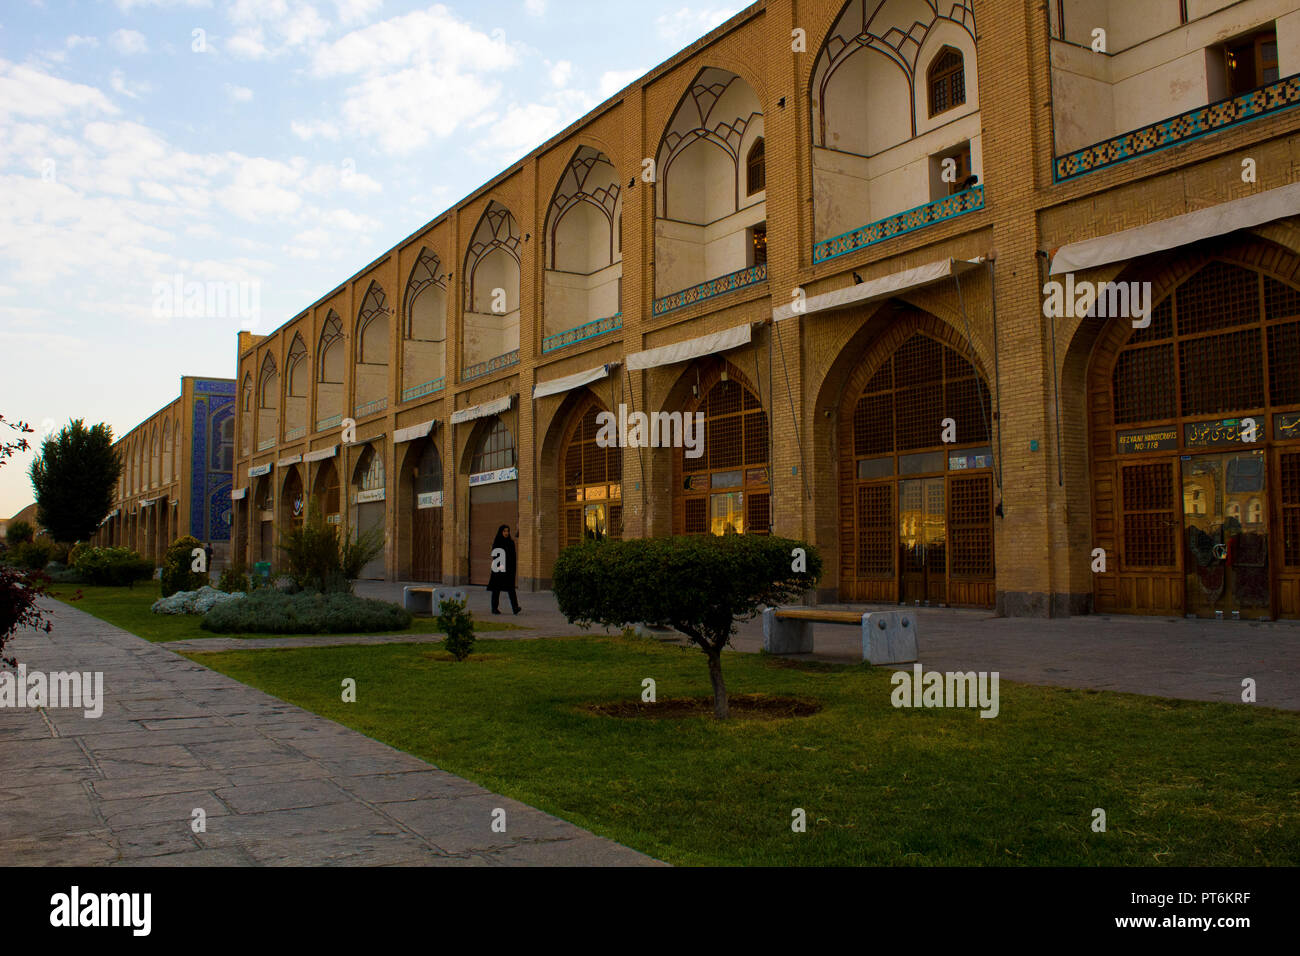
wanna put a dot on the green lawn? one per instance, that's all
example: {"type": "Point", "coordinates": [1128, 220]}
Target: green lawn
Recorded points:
{"type": "Point", "coordinates": [128, 608]}
{"type": "Point", "coordinates": [1182, 783]}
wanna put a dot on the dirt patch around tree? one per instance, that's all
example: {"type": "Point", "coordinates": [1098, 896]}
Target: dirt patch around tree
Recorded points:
{"type": "Point", "coordinates": [752, 706]}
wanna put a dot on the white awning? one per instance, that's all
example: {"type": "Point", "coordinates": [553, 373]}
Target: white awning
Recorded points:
{"type": "Point", "coordinates": [291, 460]}
{"type": "Point", "coordinates": [237, 493]}
{"type": "Point", "coordinates": [321, 454]}
{"type": "Point", "coordinates": [576, 380]}
{"type": "Point", "coordinates": [872, 289]}
{"type": "Point", "coordinates": [148, 502]}
{"type": "Point", "coordinates": [494, 407]}
{"type": "Point", "coordinates": [365, 441]}
{"type": "Point", "coordinates": [690, 349]}
{"type": "Point", "coordinates": [414, 431]}
{"type": "Point", "coordinates": [1179, 230]}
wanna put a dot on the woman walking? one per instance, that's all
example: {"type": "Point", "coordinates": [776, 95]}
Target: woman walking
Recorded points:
{"type": "Point", "coordinates": [503, 580]}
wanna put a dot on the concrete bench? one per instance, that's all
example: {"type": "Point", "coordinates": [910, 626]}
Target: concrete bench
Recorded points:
{"type": "Point", "coordinates": [425, 600]}
{"type": "Point", "coordinates": [888, 637]}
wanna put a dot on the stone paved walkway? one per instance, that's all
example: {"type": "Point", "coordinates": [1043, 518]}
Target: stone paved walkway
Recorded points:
{"type": "Point", "coordinates": [278, 785]}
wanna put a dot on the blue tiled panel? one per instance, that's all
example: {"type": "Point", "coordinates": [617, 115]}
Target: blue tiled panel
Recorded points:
{"type": "Point", "coordinates": [706, 290]}
{"type": "Point", "coordinates": [968, 200]}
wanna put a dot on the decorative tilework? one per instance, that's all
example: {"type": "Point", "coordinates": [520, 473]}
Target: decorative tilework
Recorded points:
{"type": "Point", "coordinates": [706, 290]}
{"type": "Point", "coordinates": [1182, 128]}
{"type": "Point", "coordinates": [266, 443]}
{"type": "Point", "coordinates": [491, 365]}
{"type": "Point", "coordinates": [427, 388]}
{"type": "Point", "coordinates": [968, 200]}
{"type": "Point", "coordinates": [214, 405]}
{"type": "Point", "coordinates": [293, 433]}
{"type": "Point", "coordinates": [579, 333]}
{"type": "Point", "coordinates": [330, 422]}
{"type": "Point", "coordinates": [369, 408]}
{"type": "Point", "coordinates": [210, 387]}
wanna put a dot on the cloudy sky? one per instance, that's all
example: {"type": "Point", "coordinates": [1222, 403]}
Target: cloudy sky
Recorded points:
{"type": "Point", "coordinates": [271, 147]}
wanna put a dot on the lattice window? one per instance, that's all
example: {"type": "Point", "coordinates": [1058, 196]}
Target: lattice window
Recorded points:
{"type": "Point", "coordinates": [372, 471]}
{"type": "Point", "coordinates": [1162, 324]}
{"type": "Point", "coordinates": [733, 470]}
{"type": "Point", "coordinates": [873, 424]}
{"type": "Point", "coordinates": [947, 81]}
{"type": "Point", "coordinates": [1219, 296]}
{"type": "Point", "coordinates": [1221, 373]}
{"type": "Point", "coordinates": [428, 475]}
{"type": "Point", "coordinates": [1144, 385]}
{"type": "Point", "coordinates": [496, 450]}
{"type": "Point", "coordinates": [1280, 301]}
{"type": "Point", "coordinates": [876, 532]}
{"type": "Point", "coordinates": [755, 176]}
{"type": "Point", "coordinates": [1284, 364]}
{"type": "Point", "coordinates": [1289, 498]}
{"type": "Point", "coordinates": [1150, 522]}
{"type": "Point", "coordinates": [591, 480]}
{"type": "Point", "coordinates": [970, 526]}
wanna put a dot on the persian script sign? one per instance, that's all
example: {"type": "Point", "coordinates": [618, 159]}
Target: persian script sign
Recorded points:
{"type": "Point", "coordinates": [1286, 426]}
{"type": "Point", "coordinates": [1226, 431]}
{"type": "Point", "coordinates": [1147, 439]}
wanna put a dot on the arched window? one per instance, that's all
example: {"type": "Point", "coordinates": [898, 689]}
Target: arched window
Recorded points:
{"type": "Point", "coordinates": [755, 175]}
{"type": "Point", "coordinates": [296, 368]}
{"type": "Point", "coordinates": [248, 392]}
{"type": "Point", "coordinates": [946, 80]}
{"type": "Point", "coordinates": [727, 488]}
{"type": "Point", "coordinates": [496, 451]}
{"type": "Point", "coordinates": [591, 478]}
{"type": "Point", "coordinates": [268, 389]}
{"type": "Point", "coordinates": [331, 350]}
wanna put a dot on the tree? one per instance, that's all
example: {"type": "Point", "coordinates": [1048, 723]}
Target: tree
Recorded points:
{"type": "Point", "coordinates": [18, 590]}
{"type": "Point", "coordinates": [698, 585]}
{"type": "Point", "coordinates": [74, 477]}
{"type": "Point", "coordinates": [19, 532]}
{"type": "Point", "coordinates": [324, 557]}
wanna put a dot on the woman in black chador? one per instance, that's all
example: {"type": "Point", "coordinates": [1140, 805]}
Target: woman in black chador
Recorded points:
{"type": "Point", "coordinates": [503, 580]}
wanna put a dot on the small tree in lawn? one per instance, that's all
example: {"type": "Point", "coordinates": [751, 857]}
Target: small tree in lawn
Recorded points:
{"type": "Point", "coordinates": [701, 586]}
{"type": "Point", "coordinates": [458, 624]}
{"type": "Point", "coordinates": [74, 477]}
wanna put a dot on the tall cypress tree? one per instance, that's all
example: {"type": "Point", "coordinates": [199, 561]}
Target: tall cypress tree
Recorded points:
{"type": "Point", "coordinates": [73, 476]}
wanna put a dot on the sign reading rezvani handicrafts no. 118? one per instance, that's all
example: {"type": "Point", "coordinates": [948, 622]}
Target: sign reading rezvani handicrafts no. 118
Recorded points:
{"type": "Point", "coordinates": [1146, 439]}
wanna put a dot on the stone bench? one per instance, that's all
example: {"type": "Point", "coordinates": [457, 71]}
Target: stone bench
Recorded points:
{"type": "Point", "coordinates": [888, 637]}
{"type": "Point", "coordinates": [425, 600]}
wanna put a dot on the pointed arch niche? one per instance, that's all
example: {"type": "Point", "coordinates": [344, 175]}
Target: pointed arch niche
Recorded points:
{"type": "Point", "coordinates": [706, 219]}
{"type": "Point", "coordinates": [584, 256]}
{"type": "Point", "coordinates": [490, 329]}
{"type": "Point", "coordinates": [879, 144]}
{"type": "Point", "coordinates": [424, 332]}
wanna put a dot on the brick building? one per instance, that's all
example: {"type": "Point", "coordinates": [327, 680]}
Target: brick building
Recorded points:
{"type": "Point", "coordinates": [828, 227]}
{"type": "Point", "coordinates": [176, 476]}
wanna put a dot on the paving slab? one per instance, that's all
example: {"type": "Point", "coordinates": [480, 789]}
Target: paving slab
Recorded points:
{"type": "Point", "coordinates": [279, 785]}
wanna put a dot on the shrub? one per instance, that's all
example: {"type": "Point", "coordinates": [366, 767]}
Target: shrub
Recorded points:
{"type": "Point", "coordinates": [698, 585]}
{"type": "Point", "coordinates": [20, 532]}
{"type": "Point", "coordinates": [323, 557]}
{"type": "Point", "coordinates": [267, 611]}
{"type": "Point", "coordinates": [234, 578]}
{"type": "Point", "coordinates": [32, 555]}
{"type": "Point", "coordinates": [115, 567]}
{"type": "Point", "coordinates": [177, 574]}
{"type": "Point", "coordinates": [77, 551]}
{"type": "Point", "coordinates": [18, 595]}
{"type": "Point", "coordinates": [458, 624]}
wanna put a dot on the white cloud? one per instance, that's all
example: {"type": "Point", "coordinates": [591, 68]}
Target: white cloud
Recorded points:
{"type": "Point", "coordinates": [611, 81]}
{"type": "Point", "coordinates": [397, 112]}
{"type": "Point", "coordinates": [75, 41]}
{"type": "Point", "coordinates": [314, 129]}
{"type": "Point", "coordinates": [240, 94]}
{"type": "Point", "coordinates": [129, 42]}
{"type": "Point", "coordinates": [535, 8]}
{"type": "Point", "coordinates": [25, 91]}
{"type": "Point", "coordinates": [686, 25]}
{"type": "Point", "coordinates": [432, 36]}
{"type": "Point", "coordinates": [560, 73]}
{"type": "Point", "coordinates": [126, 6]}
{"type": "Point", "coordinates": [117, 80]}
{"type": "Point", "coordinates": [356, 11]}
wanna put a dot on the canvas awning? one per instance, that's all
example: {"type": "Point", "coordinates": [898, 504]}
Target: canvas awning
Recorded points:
{"type": "Point", "coordinates": [291, 460]}
{"type": "Point", "coordinates": [873, 289]}
{"type": "Point", "coordinates": [365, 441]}
{"type": "Point", "coordinates": [1179, 231]}
{"type": "Point", "coordinates": [690, 349]}
{"type": "Point", "coordinates": [412, 432]}
{"type": "Point", "coordinates": [494, 407]}
{"type": "Point", "coordinates": [576, 380]}
{"type": "Point", "coordinates": [321, 454]}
